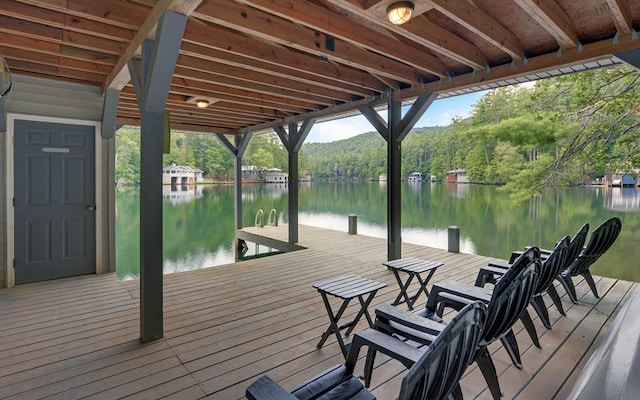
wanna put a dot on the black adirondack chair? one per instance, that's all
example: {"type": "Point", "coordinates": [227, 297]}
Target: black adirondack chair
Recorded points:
{"type": "Point", "coordinates": [505, 304]}
{"type": "Point", "coordinates": [434, 371]}
{"type": "Point", "coordinates": [551, 267]}
{"type": "Point", "coordinates": [575, 247]}
{"type": "Point", "coordinates": [600, 241]}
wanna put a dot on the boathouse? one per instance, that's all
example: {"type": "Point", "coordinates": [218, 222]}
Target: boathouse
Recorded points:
{"type": "Point", "coordinates": [415, 177]}
{"type": "Point", "coordinates": [276, 175]}
{"type": "Point", "coordinates": [457, 176]}
{"type": "Point", "coordinates": [73, 72]}
{"type": "Point", "coordinates": [180, 175]}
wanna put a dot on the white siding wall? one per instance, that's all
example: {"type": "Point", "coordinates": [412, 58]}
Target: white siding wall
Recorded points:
{"type": "Point", "coordinates": [42, 97]}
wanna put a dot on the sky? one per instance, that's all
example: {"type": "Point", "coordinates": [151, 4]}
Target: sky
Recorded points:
{"type": "Point", "coordinates": [441, 113]}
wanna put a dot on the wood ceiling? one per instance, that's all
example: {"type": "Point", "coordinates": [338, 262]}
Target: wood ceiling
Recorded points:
{"type": "Point", "coordinates": [269, 62]}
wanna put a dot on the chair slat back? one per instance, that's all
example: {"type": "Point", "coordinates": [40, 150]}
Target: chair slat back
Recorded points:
{"type": "Point", "coordinates": [576, 245]}
{"type": "Point", "coordinates": [552, 265]}
{"type": "Point", "coordinates": [511, 295]}
{"type": "Point", "coordinates": [600, 241]}
{"type": "Point", "coordinates": [440, 368]}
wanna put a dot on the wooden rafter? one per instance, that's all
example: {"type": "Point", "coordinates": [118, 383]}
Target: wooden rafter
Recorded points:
{"type": "Point", "coordinates": [296, 62]}
{"type": "Point", "coordinates": [553, 19]}
{"type": "Point", "coordinates": [275, 61]}
{"type": "Point", "coordinates": [120, 75]}
{"type": "Point", "coordinates": [471, 17]}
{"type": "Point", "coordinates": [621, 15]}
{"type": "Point", "coordinates": [338, 26]}
{"type": "Point", "coordinates": [271, 28]}
{"type": "Point", "coordinates": [425, 33]}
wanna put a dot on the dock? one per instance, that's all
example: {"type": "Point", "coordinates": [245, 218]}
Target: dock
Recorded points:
{"type": "Point", "coordinates": [226, 326]}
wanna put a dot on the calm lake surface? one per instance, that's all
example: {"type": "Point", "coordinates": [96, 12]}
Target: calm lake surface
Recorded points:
{"type": "Point", "coordinates": [198, 220]}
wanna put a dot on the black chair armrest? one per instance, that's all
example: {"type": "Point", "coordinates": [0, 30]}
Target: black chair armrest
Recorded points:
{"type": "Point", "coordinates": [490, 274]}
{"type": "Point", "coordinates": [497, 264]}
{"type": "Point", "coordinates": [457, 295]}
{"type": "Point", "coordinates": [393, 314]}
{"type": "Point", "coordinates": [266, 388]}
{"type": "Point", "coordinates": [389, 345]}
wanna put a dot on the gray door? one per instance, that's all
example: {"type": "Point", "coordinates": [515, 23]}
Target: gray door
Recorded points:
{"type": "Point", "coordinates": [54, 211]}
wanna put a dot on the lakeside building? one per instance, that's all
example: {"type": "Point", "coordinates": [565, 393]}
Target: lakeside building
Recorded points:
{"type": "Point", "coordinates": [180, 175]}
{"type": "Point", "coordinates": [276, 175]}
{"type": "Point", "coordinates": [416, 177]}
{"type": "Point", "coordinates": [457, 176]}
{"type": "Point", "coordinates": [619, 180]}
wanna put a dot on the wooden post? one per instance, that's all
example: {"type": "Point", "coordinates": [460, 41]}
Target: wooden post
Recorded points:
{"type": "Point", "coordinates": [151, 79]}
{"type": "Point", "coordinates": [454, 239]}
{"type": "Point", "coordinates": [394, 130]}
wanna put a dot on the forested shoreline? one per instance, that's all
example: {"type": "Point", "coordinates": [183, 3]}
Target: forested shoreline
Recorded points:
{"type": "Point", "coordinates": [559, 131]}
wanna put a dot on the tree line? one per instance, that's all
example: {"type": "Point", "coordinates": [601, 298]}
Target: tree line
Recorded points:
{"type": "Point", "coordinates": [558, 131]}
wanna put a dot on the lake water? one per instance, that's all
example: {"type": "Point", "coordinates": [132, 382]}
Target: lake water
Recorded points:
{"type": "Point", "coordinates": [198, 228]}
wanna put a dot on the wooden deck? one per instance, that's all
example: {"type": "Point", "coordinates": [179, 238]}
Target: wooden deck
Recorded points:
{"type": "Point", "coordinates": [226, 326]}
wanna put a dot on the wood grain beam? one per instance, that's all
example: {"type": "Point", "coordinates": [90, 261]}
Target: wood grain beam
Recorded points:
{"type": "Point", "coordinates": [553, 19]}
{"type": "Point", "coordinates": [268, 27]}
{"type": "Point", "coordinates": [425, 33]}
{"type": "Point", "coordinates": [344, 28]}
{"type": "Point", "coordinates": [540, 64]}
{"type": "Point", "coordinates": [188, 87]}
{"type": "Point", "coordinates": [199, 33]}
{"type": "Point", "coordinates": [621, 15]}
{"type": "Point", "coordinates": [276, 70]}
{"type": "Point", "coordinates": [287, 86]}
{"type": "Point", "coordinates": [472, 18]}
{"type": "Point", "coordinates": [120, 75]}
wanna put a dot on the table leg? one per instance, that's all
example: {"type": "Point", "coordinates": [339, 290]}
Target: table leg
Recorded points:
{"type": "Point", "coordinates": [422, 288]}
{"type": "Point", "coordinates": [403, 290]}
{"type": "Point", "coordinates": [333, 326]}
{"type": "Point", "coordinates": [363, 310]}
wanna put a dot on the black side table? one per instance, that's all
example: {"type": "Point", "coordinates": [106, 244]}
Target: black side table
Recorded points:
{"type": "Point", "coordinates": [346, 288]}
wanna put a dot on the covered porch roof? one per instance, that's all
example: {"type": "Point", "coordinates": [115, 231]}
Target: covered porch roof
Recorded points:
{"type": "Point", "coordinates": [266, 63]}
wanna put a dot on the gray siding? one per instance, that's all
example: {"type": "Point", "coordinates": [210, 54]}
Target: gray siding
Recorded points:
{"type": "Point", "coordinates": [4, 263]}
{"type": "Point", "coordinates": [47, 98]}
{"type": "Point", "coordinates": [37, 96]}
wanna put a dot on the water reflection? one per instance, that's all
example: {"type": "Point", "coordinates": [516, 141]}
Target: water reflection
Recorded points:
{"type": "Point", "coordinates": [623, 199]}
{"type": "Point", "coordinates": [176, 194]}
{"type": "Point", "coordinates": [198, 224]}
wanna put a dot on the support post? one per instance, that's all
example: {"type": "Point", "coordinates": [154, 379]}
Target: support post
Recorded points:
{"type": "Point", "coordinates": [151, 296]}
{"type": "Point", "coordinates": [394, 130]}
{"type": "Point", "coordinates": [151, 78]}
{"type": "Point", "coordinates": [109, 113]}
{"type": "Point", "coordinates": [394, 187]}
{"type": "Point", "coordinates": [293, 141]}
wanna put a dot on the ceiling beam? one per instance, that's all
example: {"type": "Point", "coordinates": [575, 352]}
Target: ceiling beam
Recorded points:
{"type": "Point", "coordinates": [339, 26]}
{"type": "Point", "coordinates": [472, 18]}
{"type": "Point", "coordinates": [621, 15]}
{"type": "Point", "coordinates": [553, 19]}
{"type": "Point", "coordinates": [540, 64]}
{"type": "Point", "coordinates": [268, 27]}
{"type": "Point", "coordinates": [276, 70]}
{"type": "Point", "coordinates": [120, 75]}
{"type": "Point", "coordinates": [199, 32]}
{"type": "Point", "coordinates": [426, 33]}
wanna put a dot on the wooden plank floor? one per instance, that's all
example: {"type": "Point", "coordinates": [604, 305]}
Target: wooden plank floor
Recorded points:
{"type": "Point", "coordinates": [226, 326]}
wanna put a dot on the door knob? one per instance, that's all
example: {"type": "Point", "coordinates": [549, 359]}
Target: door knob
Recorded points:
{"type": "Point", "coordinates": [91, 208]}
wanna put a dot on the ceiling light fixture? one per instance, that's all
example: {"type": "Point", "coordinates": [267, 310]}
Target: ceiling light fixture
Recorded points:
{"type": "Point", "coordinates": [400, 12]}
{"type": "Point", "coordinates": [202, 103]}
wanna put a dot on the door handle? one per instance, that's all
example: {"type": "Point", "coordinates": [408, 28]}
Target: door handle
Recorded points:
{"type": "Point", "coordinates": [91, 208]}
